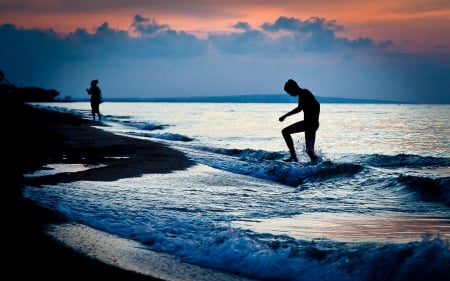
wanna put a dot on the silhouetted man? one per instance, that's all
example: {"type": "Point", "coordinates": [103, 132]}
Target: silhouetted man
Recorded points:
{"type": "Point", "coordinates": [96, 99]}
{"type": "Point", "coordinates": [311, 110]}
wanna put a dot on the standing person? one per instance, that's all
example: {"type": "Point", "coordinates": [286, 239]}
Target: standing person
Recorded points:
{"type": "Point", "coordinates": [96, 99]}
{"type": "Point", "coordinates": [311, 110]}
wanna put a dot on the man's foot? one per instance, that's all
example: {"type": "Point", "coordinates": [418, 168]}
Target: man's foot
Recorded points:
{"type": "Point", "coordinates": [291, 159]}
{"type": "Point", "coordinates": [312, 155]}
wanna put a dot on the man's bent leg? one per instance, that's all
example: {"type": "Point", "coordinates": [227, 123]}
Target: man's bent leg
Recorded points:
{"type": "Point", "coordinates": [286, 132]}
{"type": "Point", "coordinates": [290, 145]}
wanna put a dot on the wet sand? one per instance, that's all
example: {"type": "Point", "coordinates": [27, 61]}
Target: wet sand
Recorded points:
{"type": "Point", "coordinates": [35, 137]}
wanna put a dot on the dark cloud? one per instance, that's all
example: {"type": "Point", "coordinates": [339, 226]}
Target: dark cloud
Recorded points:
{"type": "Point", "coordinates": [178, 63]}
{"type": "Point", "coordinates": [36, 57]}
{"type": "Point", "coordinates": [147, 26]}
{"type": "Point", "coordinates": [319, 35]}
{"type": "Point", "coordinates": [242, 25]}
{"type": "Point", "coordinates": [32, 52]}
{"type": "Point", "coordinates": [313, 24]}
{"type": "Point", "coordinates": [160, 40]}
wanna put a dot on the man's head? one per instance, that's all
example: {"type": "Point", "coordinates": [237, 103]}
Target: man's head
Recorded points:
{"type": "Point", "coordinates": [94, 82]}
{"type": "Point", "coordinates": [291, 87]}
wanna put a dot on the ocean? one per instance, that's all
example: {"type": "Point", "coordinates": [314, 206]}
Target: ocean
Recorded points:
{"type": "Point", "coordinates": [376, 206]}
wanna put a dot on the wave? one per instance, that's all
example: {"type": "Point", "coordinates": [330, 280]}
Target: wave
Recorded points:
{"type": "Point", "coordinates": [268, 257]}
{"type": "Point", "coordinates": [145, 126]}
{"type": "Point", "coordinates": [428, 189]}
{"type": "Point", "coordinates": [424, 260]}
{"type": "Point", "coordinates": [152, 127]}
{"type": "Point", "coordinates": [162, 136]}
{"type": "Point", "coordinates": [419, 174]}
{"type": "Point", "coordinates": [427, 176]}
{"type": "Point", "coordinates": [170, 136]}
{"type": "Point", "coordinates": [404, 160]}
{"type": "Point", "coordinates": [267, 165]}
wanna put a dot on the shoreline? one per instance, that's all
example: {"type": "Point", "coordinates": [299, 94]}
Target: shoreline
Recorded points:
{"type": "Point", "coordinates": [36, 137]}
{"type": "Point", "coordinates": [82, 151]}
{"type": "Point", "coordinates": [131, 255]}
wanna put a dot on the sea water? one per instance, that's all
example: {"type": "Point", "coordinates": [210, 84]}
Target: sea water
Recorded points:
{"type": "Point", "coordinates": [374, 207]}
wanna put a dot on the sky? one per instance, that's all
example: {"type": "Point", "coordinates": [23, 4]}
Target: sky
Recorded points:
{"type": "Point", "coordinates": [395, 50]}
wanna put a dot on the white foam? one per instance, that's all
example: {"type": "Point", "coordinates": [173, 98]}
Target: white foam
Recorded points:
{"type": "Point", "coordinates": [131, 255]}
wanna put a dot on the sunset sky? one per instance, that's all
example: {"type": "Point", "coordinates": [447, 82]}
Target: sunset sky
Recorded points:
{"type": "Point", "coordinates": [388, 49]}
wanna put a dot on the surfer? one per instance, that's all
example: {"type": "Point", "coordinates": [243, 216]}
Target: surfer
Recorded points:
{"type": "Point", "coordinates": [311, 110]}
{"type": "Point", "coordinates": [96, 99]}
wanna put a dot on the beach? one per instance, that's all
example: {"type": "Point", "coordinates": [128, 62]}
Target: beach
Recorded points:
{"type": "Point", "coordinates": [36, 137]}
{"type": "Point", "coordinates": [151, 196]}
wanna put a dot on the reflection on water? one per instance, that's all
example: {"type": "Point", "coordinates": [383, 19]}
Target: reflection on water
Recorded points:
{"type": "Point", "coordinates": [342, 227]}
{"type": "Point", "coordinates": [53, 169]}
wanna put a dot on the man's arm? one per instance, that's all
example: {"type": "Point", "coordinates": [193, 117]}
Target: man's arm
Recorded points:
{"type": "Point", "coordinates": [293, 111]}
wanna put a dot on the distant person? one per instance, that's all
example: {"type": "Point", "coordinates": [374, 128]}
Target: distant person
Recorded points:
{"type": "Point", "coordinates": [311, 110]}
{"type": "Point", "coordinates": [96, 99]}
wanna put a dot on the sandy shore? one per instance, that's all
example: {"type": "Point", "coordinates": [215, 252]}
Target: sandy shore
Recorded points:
{"type": "Point", "coordinates": [35, 137]}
